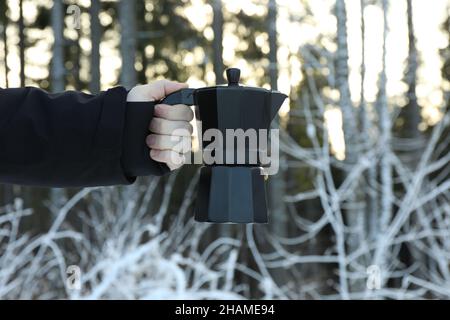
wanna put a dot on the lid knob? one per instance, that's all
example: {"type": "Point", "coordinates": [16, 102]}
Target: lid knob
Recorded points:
{"type": "Point", "coordinates": [233, 76]}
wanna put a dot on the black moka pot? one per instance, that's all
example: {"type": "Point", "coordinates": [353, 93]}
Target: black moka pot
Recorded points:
{"type": "Point", "coordinates": [230, 192]}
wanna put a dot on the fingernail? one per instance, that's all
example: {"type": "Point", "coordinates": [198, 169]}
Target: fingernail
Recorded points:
{"type": "Point", "coordinates": [151, 140]}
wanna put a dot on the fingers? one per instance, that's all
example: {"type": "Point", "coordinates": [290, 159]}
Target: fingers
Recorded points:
{"type": "Point", "coordinates": [171, 127]}
{"type": "Point", "coordinates": [179, 112]}
{"type": "Point", "coordinates": [169, 149]}
{"type": "Point", "coordinates": [165, 142]}
{"type": "Point", "coordinates": [173, 159]}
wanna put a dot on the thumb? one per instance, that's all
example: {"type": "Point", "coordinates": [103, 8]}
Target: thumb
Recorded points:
{"type": "Point", "coordinates": [154, 91]}
{"type": "Point", "coordinates": [160, 89]}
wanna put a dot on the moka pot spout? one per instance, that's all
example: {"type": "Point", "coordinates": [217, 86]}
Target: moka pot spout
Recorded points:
{"type": "Point", "coordinates": [277, 99]}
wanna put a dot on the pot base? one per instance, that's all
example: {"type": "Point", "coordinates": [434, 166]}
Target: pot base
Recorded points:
{"type": "Point", "coordinates": [231, 195]}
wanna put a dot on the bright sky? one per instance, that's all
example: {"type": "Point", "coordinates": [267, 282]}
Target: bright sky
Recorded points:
{"type": "Point", "coordinates": [428, 18]}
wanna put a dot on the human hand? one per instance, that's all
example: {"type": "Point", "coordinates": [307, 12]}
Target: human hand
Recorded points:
{"type": "Point", "coordinates": [170, 127]}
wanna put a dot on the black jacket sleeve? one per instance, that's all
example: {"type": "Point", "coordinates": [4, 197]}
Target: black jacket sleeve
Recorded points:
{"type": "Point", "coordinates": [72, 139]}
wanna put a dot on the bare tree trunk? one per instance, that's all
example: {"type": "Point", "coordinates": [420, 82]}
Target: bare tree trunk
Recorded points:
{"type": "Point", "coordinates": [58, 70]}
{"type": "Point", "coordinates": [342, 82]}
{"type": "Point", "coordinates": [386, 188]}
{"type": "Point", "coordinates": [410, 113]}
{"type": "Point", "coordinates": [7, 191]}
{"type": "Point", "coordinates": [127, 20]}
{"type": "Point", "coordinates": [412, 108]}
{"type": "Point", "coordinates": [371, 176]}
{"type": "Point", "coordinates": [276, 185]}
{"type": "Point", "coordinates": [385, 132]}
{"type": "Point", "coordinates": [410, 130]}
{"type": "Point", "coordinates": [21, 44]}
{"type": "Point", "coordinates": [273, 45]}
{"type": "Point", "coordinates": [4, 18]}
{"type": "Point", "coordinates": [142, 27]}
{"type": "Point", "coordinates": [354, 216]}
{"type": "Point", "coordinates": [96, 35]}
{"type": "Point", "coordinates": [76, 62]}
{"type": "Point", "coordinates": [363, 120]}
{"type": "Point", "coordinates": [217, 43]}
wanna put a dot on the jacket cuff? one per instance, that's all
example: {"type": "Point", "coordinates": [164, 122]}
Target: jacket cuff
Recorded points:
{"type": "Point", "coordinates": [109, 138]}
{"type": "Point", "coordinates": [136, 158]}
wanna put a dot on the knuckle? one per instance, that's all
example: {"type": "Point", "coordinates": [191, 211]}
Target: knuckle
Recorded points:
{"type": "Point", "coordinates": [183, 112]}
{"type": "Point", "coordinates": [164, 125]}
{"type": "Point", "coordinates": [160, 125]}
{"type": "Point", "coordinates": [160, 110]}
{"type": "Point", "coordinates": [161, 82]}
{"type": "Point", "coordinates": [159, 142]}
{"type": "Point", "coordinates": [168, 112]}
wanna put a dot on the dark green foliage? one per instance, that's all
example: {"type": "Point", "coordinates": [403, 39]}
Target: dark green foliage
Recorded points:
{"type": "Point", "coordinates": [171, 35]}
{"type": "Point", "coordinates": [248, 28]}
{"type": "Point", "coordinates": [42, 20]}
